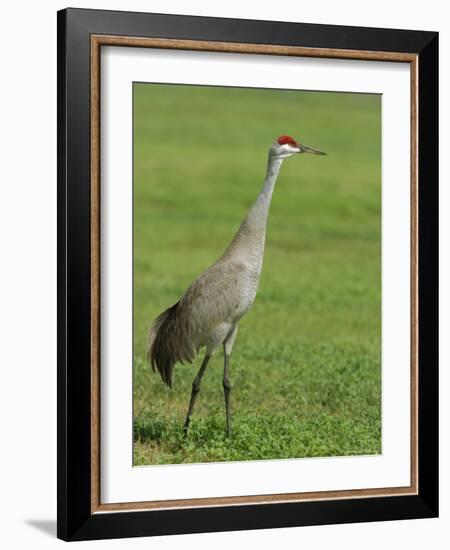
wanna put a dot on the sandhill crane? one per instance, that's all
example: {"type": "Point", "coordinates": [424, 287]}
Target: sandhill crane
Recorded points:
{"type": "Point", "coordinates": [208, 313]}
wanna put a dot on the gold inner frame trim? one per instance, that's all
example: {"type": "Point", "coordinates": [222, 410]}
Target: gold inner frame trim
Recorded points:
{"type": "Point", "coordinates": [97, 41]}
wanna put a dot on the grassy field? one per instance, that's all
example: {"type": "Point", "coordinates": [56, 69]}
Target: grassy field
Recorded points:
{"type": "Point", "coordinates": [305, 369]}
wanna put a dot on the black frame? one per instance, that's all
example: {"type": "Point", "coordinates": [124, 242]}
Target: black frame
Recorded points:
{"type": "Point", "coordinates": [75, 521]}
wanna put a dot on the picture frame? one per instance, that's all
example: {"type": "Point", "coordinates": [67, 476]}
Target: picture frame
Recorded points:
{"type": "Point", "coordinates": [81, 36]}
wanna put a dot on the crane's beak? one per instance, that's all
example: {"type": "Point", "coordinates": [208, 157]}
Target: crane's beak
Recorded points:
{"type": "Point", "coordinates": [306, 149]}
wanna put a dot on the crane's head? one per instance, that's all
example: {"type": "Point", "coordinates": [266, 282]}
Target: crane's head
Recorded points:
{"type": "Point", "coordinates": [285, 146]}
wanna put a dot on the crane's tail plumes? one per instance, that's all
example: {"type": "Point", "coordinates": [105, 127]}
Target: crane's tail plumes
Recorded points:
{"type": "Point", "coordinates": [159, 352]}
{"type": "Point", "coordinates": [168, 344]}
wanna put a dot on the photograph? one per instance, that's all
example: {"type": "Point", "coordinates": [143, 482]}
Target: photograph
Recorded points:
{"type": "Point", "coordinates": [256, 274]}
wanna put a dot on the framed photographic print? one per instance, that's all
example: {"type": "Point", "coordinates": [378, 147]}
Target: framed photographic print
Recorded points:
{"type": "Point", "coordinates": [247, 256]}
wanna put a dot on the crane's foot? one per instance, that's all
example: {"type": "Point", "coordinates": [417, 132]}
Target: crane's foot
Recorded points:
{"type": "Point", "coordinates": [185, 428]}
{"type": "Point", "coordinates": [228, 409]}
{"type": "Point", "coordinates": [195, 390]}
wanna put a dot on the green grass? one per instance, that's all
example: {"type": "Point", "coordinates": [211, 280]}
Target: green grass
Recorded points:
{"type": "Point", "coordinates": [305, 369]}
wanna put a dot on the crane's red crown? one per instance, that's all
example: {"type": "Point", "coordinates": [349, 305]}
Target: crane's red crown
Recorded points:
{"type": "Point", "coordinates": [287, 140]}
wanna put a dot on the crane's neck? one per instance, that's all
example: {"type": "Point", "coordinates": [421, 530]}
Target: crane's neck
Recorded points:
{"type": "Point", "coordinates": [256, 218]}
{"type": "Point", "coordinates": [250, 237]}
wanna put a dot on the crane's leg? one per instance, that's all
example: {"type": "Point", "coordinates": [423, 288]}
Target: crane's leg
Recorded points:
{"type": "Point", "coordinates": [195, 390]}
{"type": "Point", "coordinates": [227, 347]}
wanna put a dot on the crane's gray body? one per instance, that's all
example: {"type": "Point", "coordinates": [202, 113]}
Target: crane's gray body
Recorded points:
{"type": "Point", "coordinates": [208, 313]}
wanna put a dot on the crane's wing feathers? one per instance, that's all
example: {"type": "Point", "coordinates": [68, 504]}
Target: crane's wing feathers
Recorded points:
{"type": "Point", "coordinates": [177, 333]}
{"type": "Point", "coordinates": [212, 298]}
